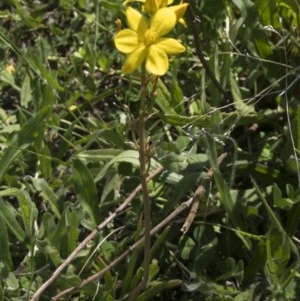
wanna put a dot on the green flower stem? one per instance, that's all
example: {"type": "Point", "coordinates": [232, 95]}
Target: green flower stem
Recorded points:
{"type": "Point", "coordinates": [144, 158]}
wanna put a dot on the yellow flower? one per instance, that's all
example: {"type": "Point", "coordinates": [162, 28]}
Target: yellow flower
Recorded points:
{"type": "Point", "coordinates": [144, 42]}
{"type": "Point", "coordinates": [10, 69]}
{"type": "Point", "coordinates": [152, 6]}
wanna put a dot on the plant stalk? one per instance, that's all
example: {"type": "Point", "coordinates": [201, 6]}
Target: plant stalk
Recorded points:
{"type": "Point", "coordinates": [144, 158]}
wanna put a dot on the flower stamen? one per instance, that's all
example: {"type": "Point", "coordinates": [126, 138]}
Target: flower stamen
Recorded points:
{"type": "Point", "coordinates": [150, 36]}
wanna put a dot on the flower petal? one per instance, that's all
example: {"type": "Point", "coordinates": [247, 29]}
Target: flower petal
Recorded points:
{"type": "Point", "coordinates": [163, 21]}
{"type": "Point", "coordinates": [136, 21]}
{"type": "Point", "coordinates": [182, 22]}
{"type": "Point", "coordinates": [152, 6]}
{"type": "Point", "coordinates": [129, 1]}
{"type": "Point", "coordinates": [134, 59]}
{"type": "Point", "coordinates": [169, 45]}
{"type": "Point", "coordinates": [179, 9]}
{"type": "Point", "coordinates": [157, 61]}
{"type": "Point", "coordinates": [126, 40]}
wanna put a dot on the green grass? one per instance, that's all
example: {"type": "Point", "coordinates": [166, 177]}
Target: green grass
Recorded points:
{"type": "Point", "coordinates": [68, 161]}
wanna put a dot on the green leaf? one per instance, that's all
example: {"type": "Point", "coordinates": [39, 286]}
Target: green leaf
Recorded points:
{"type": "Point", "coordinates": [279, 201]}
{"type": "Point", "coordinates": [9, 216]}
{"type": "Point", "coordinates": [158, 287]}
{"type": "Point", "coordinates": [23, 139]}
{"type": "Point", "coordinates": [227, 269]}
{"type": "Point", "coordinates": [98, 155]}
{"type": "Point", "coordinates": [26, 92]}
{"type": "Point", "coordinates": [129, 156]}
{"type": "Point", "coordinates": [8, 78]}
{"type": "Point", "coordinates": [225, 195]}
{"type": "Point", "coordinates": [5, 255]}
{"type": "Point", "coordinates": [86, 190]}
{"type": "Point", "coordinates": [12, 282]}
{"type": "Point", "coordinates": [111, 190]}
{"type": "Point", "coordinates": [28, 209]}
{"type": "Point", "coordinates": [239, 103]}
{"type": "Point", "coordinates": [47, 193]}
{"type": "Point", "coordinates": [36, 63]}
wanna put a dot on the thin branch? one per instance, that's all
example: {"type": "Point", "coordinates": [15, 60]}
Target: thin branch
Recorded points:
{"type": "Point", "coordinates": [96, 276]}
{"type": "Point", "coordinates": [197, 195]}
{"type": "Point", "coordinates": [59, 270]}
{"type": "Point", "coordinates": [143, 158]}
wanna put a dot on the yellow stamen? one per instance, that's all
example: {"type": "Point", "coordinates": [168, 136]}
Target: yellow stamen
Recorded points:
{"type": "Point", "coordinates": [150, 36]}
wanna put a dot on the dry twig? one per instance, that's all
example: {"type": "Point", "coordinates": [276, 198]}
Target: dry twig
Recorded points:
{"type": "Point", "coordinates": [199, 192]}
{"type": "Point", "coordinates": [59, 270]}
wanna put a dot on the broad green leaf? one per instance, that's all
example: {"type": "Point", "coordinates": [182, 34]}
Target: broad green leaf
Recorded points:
{"type": "Point", "coordinates": [226, 268]}
{"type": "Point", "coordinates": [12, 282]}
{"type": "Point", "coordinates": [177, 99]}
{"type": "Point", "coordinates": [206, 286]}
{"type": "Point", "coordinates": [225, 195]}
{"type": "Point", "coordinates": [98, 155]}
{"type": "Point", "coordinates": [8, 78]}
{"type": "Point", "coordinates": [216, 122]}
{"type": "Point", "coordinates": [244, 6]}
{"type": "Point", "coordinates": [187, 245]}
{"type": "Point", "coordinates": [28, 209]}
{"type": "Point", "coordinates": [60, 237]}
{"type": "Point", "coordinates": [271, 212]}
{"type": "Point", "coordinates": [47, 193]}
{"type": "Point", "coordinates": [164, 99]}
{"type": "Point", "coordinates": [9, 216]}
{"type": "Point", "coordinates": [49, 96]}
{"type": "Point", "coordinates": [26, 92]}
{"type": "Point", "coordinates": [293, 219]}
{"type": "Point", "coordinates": [47, 248]}
{"type": "Point", "coordinates": [130, 156]}
{"type": "Point", "coordinates": [277, 194]}
{"type": "Point", "coordinates": [45, 161]}
{"type": "Point", "coordinates": [239, 103]}
{"type": "Point", "coordinates": [111, 190]}
{"type": "Point", "coordinates": [23, 139]}
{"type": "Point", "coordinates": [203, 121]}
{"type": "Point", "coordinates": [86, 190]}
{"type": "Point", "coordinates": [256, 261]}
{"type": "Point", "coordinates": [158, 287]}
{"type": "Point", "coordinates": [154, 269]}
{"type": "Point", "coordinates": [261, 42]}
{"type": "Point", "coordinates": [36, 62]}
{"type": "Point", "coordinates": [5, 255]}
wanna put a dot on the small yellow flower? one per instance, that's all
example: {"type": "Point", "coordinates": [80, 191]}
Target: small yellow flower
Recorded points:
{"type": "Point", "coordinates": [145, 43]}
{"type": "Point", "coordinates": [10, 69]}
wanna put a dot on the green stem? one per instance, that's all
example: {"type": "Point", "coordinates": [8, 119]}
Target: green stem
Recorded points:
{"type": "Point", "coordinates": [143, 158]}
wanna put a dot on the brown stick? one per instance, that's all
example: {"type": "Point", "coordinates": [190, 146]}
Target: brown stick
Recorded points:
{"type": "Point", "coordinates": [96, 276]}
{"type": "Point", "coordinates": [198, 195]}
{"type": "Point", "coordinates": [199, 192]}
{"type": "Point", "coordinates": [58, 271]}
